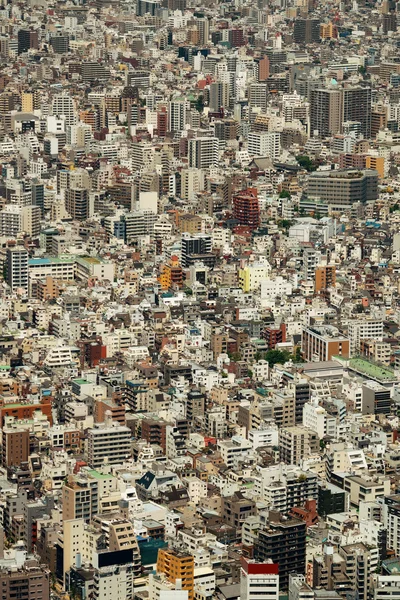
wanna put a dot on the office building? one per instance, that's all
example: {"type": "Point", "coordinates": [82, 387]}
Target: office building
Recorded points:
{"type": "Point", "coordinates": [342, 188]}
{"type": "Point", "coordinates": [376, 399]}
{"type": "Point", "coordinates": [203, 152]}
{"type": "Point", "coordinates": [283, 541]}
{"type": "Point", "coordinates": [147, 7]}
{"type": "Point", "coordinates": [196, 247]}
{"type": "Point", "coordinates": [246, 208]}
{"type": "Point", "coordinates": [219, 96]}
{"type": "Point", "coordinates": [17, 268]}
{"type": "Point", "coordinates": [323, 342]}
{"type": "Point", "coordinates": [60, 43]}
{"type": "Point", "coordinates": [108, 443]}
{"type": "Point", "coordinates": [93, 71]}
{"type": "Point", "coordinates": [177, 566]}
{"type": "Point", "coordinates": [325, 111]}
{"type": "Point", "coordinates": [77, 203]}
{"type": "Point", "coordinates": [306, 31]}
{"type": "Point", "coordinates": [27, 38]}
{"type": "Point", "coordinates": [258, 579]}
{"type": "Point", "coordinates": [265, 144]}
{"type": "Point", "coordinates": [63, 106]}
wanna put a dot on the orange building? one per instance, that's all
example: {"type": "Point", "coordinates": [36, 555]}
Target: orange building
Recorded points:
{"type": "Point", "coordinates": [25, 411]}
{"type": "Point", "coordinates": [117, 411]}
{"type": "Point", "coordinates": [171, 274]}
{"type": "Point", "coordinates": [325, 277]}
{"type": "Point", "coordinates": [377, 163]}
{"type": "Point", "coordinates": [327, 31]}
{"type": "Point", "coordinates": [177, 565]}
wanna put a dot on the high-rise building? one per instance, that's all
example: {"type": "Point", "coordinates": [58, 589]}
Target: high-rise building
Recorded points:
{"type": "Point", "coordinates": [325, 277]}
{"type": "Point", "coordinates": [259, 579]}
{"type": "Point", "coordinates": [177, 115]}
{"type": "Point", "coordinates": [63, 105]}
{"type": "Point", "coordinates": [297, 442]}
{"type": "Point", "coordinates": [246, 208]}
{"type": "Point", "coordinates": [77, 203]}
{"type": "Point", "coordinates": [357, 107]}
{"type": "Point", "coordinates": [15, 446]}
{"type": "Point", "coordinates": [203, 152]}
{"type": "Point", "coordinates": [306, 31]}
{"type": "Point", "coordinates": [109, 443]}
{"type": "Point", "coordinates": [196, 247]}
{"type": "Point", "coordinates": [283, 540]}
{"type": "Point", "coordinates": [219, 96]}
{"type": "Point", "coordinates": [26, 581]}
{"type": "Point", "coordinates": [263, 69]}
{"type": "Point", "coordinates": [265, 144]}
{"type": "Point", "coordinates": [60, 43]}
{"type": "Point", "coordinates": [149, 7]}
{"type": "Point", "coordinates": [177, 565]}
{"type": "Point", "coordinates": [325, 111]}
{"type": "Point", "coordinates": [17, 268]}
{"type": "Point", "coordinates": [30, 100]}
{"type": "Point", "coordinates": [203, 28]}
{"type": "Point", "coordinates": [27, 38]}
{"type": "Point", "coordinates": [258, 95]}
{"type": "Point", "coordinates": [342, 188]}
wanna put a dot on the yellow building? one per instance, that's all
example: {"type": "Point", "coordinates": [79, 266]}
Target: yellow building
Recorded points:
{"type": "Point", "coordinates": [250, 277]}
{"type": "Point", "coordinates": [30, 101]}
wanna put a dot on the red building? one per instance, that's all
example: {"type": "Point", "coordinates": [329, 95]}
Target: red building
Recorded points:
{"type": "Point", "coordinates": [275, 336]}
{"type": "Point", "coordinates": [236, 38]}
{"type": "Point", "coordinates": [162, 122]}
{"type": "Point", "coordinates": [246, 208]}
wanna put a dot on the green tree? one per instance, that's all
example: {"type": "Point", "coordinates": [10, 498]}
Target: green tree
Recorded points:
{"type": "Point", "coordinates": [306, 162]}
{"type": "Point", "coordinates": [284, 223]}
{"type": "Point", "coordinates": [284, 194]}
{"type": "Point", "coordinates": [200, 104]}
{"type": "Point", "coordinates": [274, 357]}
{"type": "Point", "coordinates": [296, 356]}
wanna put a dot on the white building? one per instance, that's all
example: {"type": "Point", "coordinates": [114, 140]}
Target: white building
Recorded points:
{"type": "Point", "coordinates": [269, 436]}
{"type": "Point", "coordinates": [108, 443]}
{"type": "Point", "coordinates": [315, 417]}
{"type": "Point", "coordinates": [234, 450]}
{"type": "Point", "coordinates": [259, 580]}
{"type": "Point", "coordinates": [364, 330]}
{"type": "Point", "coordinates": [265, 144]}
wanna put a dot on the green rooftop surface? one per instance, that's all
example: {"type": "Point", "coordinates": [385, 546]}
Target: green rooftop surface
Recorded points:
{"type": "Point", "coordinates": [97, 475]}
{"type": "Point", "coordinates": [378, 372]}
{"type": "Point", "coordinates": [81, 381]}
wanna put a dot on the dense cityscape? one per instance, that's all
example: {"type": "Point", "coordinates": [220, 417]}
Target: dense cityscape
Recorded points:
{"type": "Point", "coordinates": [199, 300]}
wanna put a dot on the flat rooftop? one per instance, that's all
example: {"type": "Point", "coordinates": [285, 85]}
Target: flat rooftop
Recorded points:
{"type": "Point", "coordinates": [377, 372]}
